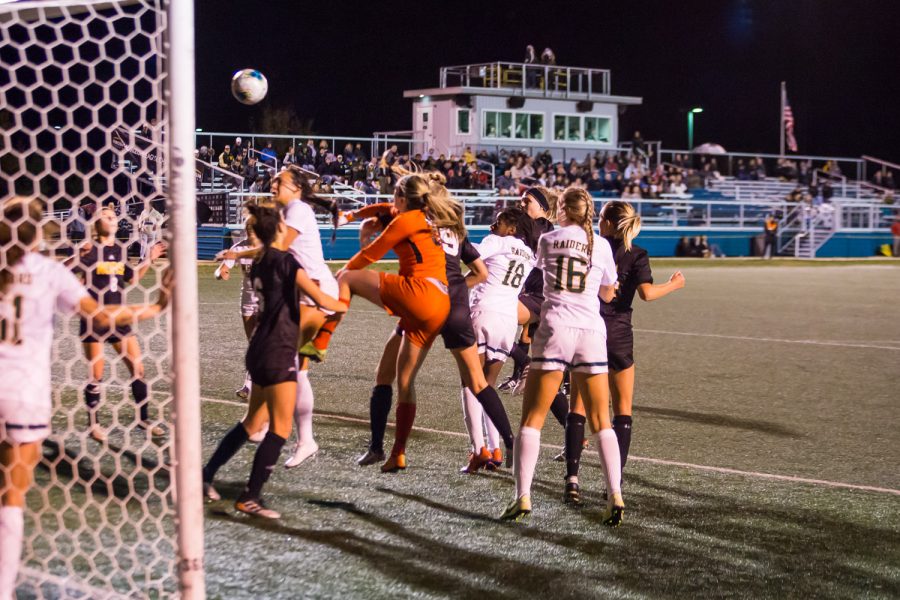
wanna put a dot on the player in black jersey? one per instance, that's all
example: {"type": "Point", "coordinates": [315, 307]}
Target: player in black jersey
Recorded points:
{"type": "Point", "coordinates": [619, 224]}
{"type": "Point", "coordinates": [540, 204]}
{"type": "Point", "coordinates": [458, 335]}
{"type": "Point", "coordinates": [102, 265]}
{"type": "Point", "coordinates": [271, 359]}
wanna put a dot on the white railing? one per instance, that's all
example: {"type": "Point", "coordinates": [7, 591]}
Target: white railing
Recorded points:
{"type": "Point", "coordinates": [532, 79]}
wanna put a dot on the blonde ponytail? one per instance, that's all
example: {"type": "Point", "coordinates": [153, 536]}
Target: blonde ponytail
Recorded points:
{"type": "Point", "coordinates": [579, 208]}
{"type": "Point", "coordinates": [19, 229]}
{"type": "Point", "coordinates": [625, 221]}
{"type": "Point", "coordinates": [426, 191]}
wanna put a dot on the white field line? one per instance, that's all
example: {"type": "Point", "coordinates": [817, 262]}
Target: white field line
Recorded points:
{"type": "Point", "coordinates": [838, 343]}
{"type": "Point", "coordinates": [777, 340]}
{"type": "Point", "coordinates": [655, 461]}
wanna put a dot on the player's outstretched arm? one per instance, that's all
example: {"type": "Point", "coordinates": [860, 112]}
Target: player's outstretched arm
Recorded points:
{"type": "Point", "coordinates": [650, 292]}
{"type": "Point", "coordinates": [110, 315]}
{"type": "Point", "coordinates": [322, 300]}
{"type": "Point", "coordinates": [608, 292]}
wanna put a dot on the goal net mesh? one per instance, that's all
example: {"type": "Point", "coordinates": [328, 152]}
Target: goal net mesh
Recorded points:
{"type": "Point", "coordinates": [83, 127]}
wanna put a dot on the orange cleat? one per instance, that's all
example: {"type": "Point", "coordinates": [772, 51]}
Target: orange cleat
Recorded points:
{"type": "Point", "coordinates": [394, 463]}
{"type": "Point", "coordinates": [477, 461]}
{"type": "Point", "coordinates": [496, 460]}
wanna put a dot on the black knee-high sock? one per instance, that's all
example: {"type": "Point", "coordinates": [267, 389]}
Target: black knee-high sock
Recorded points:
{"type": "Point", "coordinates": [139, 393]}
{"type": "Point", "coordinates": [379, 409]}
{"type": "Point", "coordinates": [574, 443]}
{"type": "Point", "coordinates": [622, 427]}
{"type": "Point", "coordinates": [519, 354]}
{"type": "Point", "coordinates": [263, 463]}
{"type": "Point", "coordinates": [560, 408]}
{"type": "Point", "coordinates": [493, 408]}
{"type": "Point", "coordinates": [227, 448]}
{"type": "Point", "coordinates": [92, 395]}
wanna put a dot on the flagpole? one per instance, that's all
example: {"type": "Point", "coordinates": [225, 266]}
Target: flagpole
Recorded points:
{"type": "Point", "coordinates": [781, 117]}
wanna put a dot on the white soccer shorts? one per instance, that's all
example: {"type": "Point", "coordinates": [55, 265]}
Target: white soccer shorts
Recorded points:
{"type": "Point", "coordinates": [561, 348]}
{"type": "Point", "coordinates": [495, 333]}
{"type": "Point", "coordinates": [249, 299]}
{"type": "Point", "coordinates": [327, 284]}
{"type": "Point", "coordinates": [25, 408]}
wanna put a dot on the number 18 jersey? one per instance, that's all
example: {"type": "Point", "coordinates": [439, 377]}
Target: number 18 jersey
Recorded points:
{"type": "Point", "coordinates": [572, 280]}
{"type": "Point", "coordinates": [508, 261]}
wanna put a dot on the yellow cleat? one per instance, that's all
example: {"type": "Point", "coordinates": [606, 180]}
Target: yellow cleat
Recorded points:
{"type": "Point", "coordinates": [314, 354]}
{"type": "Point", "coordinates": [517, 510]}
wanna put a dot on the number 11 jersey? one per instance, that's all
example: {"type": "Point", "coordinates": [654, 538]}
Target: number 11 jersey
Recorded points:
{"type": "Point", "coordinates": [572, 279]}
{"type": "Point", "coordinates": [508, 261]}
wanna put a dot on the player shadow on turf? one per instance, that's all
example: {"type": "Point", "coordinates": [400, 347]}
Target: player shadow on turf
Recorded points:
{"type": "Point", "coordinates": [106, 474]}
{"type": "Point", "coordinates": [428, 564]}
{"type": "Point", "coordinates": [719, 420]}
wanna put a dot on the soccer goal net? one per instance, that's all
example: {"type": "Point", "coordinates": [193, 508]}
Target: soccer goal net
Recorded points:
{"type": "Point", "coordinates": [87, 124]}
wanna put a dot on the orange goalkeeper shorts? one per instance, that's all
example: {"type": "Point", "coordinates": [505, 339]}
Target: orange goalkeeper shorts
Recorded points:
{"type": "Point", "coordinates": [421, 305]}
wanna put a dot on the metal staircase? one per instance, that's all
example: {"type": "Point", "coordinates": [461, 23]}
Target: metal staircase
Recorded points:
{"type": "Point", "coordinates": [805, 229]}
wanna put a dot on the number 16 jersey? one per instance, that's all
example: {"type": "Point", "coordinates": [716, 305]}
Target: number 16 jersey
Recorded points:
{"type": "Point", "coordinates": [508, 262]}
{"type": "Point", "coordinates": [572, 279]}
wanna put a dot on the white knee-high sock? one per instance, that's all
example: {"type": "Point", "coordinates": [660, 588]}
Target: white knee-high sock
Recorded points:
{"type": "Point", "coordinates": [608, 447]}
{"type": "Point", "coordinates": [525, 451]}
{"type": "Point", "coordinates": [12, 526]}
{"type": "Point", "coordinates": [493, 436]}
{"type": "Point", "coordinates": [303, 409]}
{"type": "Point", "coordinates": [472, 413]}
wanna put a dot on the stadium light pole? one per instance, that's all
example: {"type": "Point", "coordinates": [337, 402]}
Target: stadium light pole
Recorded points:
{"type": "Point", "coordinates": [691, 114]}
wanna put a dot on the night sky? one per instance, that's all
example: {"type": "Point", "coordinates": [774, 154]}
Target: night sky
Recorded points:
{"type": "Point", "coordinates": [345, 65]}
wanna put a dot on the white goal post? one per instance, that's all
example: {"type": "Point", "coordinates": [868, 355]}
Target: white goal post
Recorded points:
{"type": "Point", "coordinates": [119, 515]}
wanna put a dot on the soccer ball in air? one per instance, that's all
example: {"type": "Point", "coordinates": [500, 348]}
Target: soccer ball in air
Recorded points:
{"type": "Point", "coordinates": [249, 86]}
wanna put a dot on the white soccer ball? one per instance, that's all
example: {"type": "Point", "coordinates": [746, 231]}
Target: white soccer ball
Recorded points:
{"type": "Point", "coordinates": [249, 86]}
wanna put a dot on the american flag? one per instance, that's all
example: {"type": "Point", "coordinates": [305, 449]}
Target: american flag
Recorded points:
{"type": "Point", "coordinates": [788, 118]}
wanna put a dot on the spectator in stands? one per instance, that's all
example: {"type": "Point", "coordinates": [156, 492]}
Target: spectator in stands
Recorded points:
{"type": "Point", "coordinates": [238, 148]}
{"type": "Point", "coordinates": [226, 158]}
{"type": "Point", "coordinates": [595, 183]}
{"type": "Point", "coordinates": [268, 155]}
{"type": "Point", "coordinates": [358, 152]}
{"type": "Point", "coordinates": [237, 165]}
{"type": "Point", "coordinates": [637, 144]}
{"type": "Point", "coordinates": [742, 173]}
{"type": "Point", "coordinates": [683, 249]}
{"type": "Point", "coordinates": [505, 182]}
{"type": "Point", "coordinates": [290, 157]}
{"type": "Point", "coordinates": [677, 186]}
{"type": "Point", "coordinates": [548, 57]}
{"type": "Point", "coordinates": [307, 156]}
{"type": "Point", "coordinates": [328, 170]}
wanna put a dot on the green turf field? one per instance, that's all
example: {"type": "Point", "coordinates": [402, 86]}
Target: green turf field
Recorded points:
{"type": "Point", "coordinates": [764, 461]}
{"type": "Point", "coordinates": [792, 372]}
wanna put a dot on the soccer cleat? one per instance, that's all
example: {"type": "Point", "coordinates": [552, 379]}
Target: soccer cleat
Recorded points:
{"type": "Point", "coordinates": [394, 463]}
{"type": "Point", "coordinates": [343, 219]}
{"type": "Point", "coordinates": [243, 392]}
{"type": "Point", "coordinates": [301, 453]}
{"type": "Point", "coordinates": [98, 434]}
{"type": "Point", "coordinates": [517, 510]}
{"type": "Point", "coordinates": [370, 458]}
{"type": "Point", "coordinates": [508, 385]}
{"type": "Point", "coordinates": [509, 458]}
{"type": "Point", "coordinates": [615, 511]}
{"type": "Point", "coordinates": [477, 461]}
{"type": "Point", "coordinates": [260, 435]}
{"type": "Point", "coordinates": [210, 493]}
{"type": "Point", "coordinates": [256, 508]}
{"type": "Point", "coordinates": [572, 495]}
{"type": "Point", "coordinates": [153, 430]}
{"type": "Point", "coordinates": [314, 354]}
{"type": "Point", "coordinates": [496, 459]}
{"type": "Point", "coordinates": [519, 389]}
{"type": "Point", "coordinates": [561, 457]}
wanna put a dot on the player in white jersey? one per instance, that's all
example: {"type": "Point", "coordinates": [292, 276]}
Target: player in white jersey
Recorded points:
{"type": "Point", "coordinates": [291, 190]}
{"type": "Point", "coordinates": [33, 289]}
{"type": "Point", "coordinates": [578, 271]}
{"type": "Point", "coordinates": [249, 298]}
{"type": "Point", "coordinates": [493, 303]}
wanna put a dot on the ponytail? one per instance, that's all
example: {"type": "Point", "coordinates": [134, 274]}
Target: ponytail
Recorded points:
{"type": "Point", "coordinates": [19, 229]}
{"type": "Point", "coordinates": [579, 208]}
{"type": "Point", "coordinates": [547, 198]}
{"type": "Point", "coordinates": [625, 221]}
{"type": "Point", "coordinates": [300, 179]}
{"type": "Point", "coordinates": [427, 192]}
